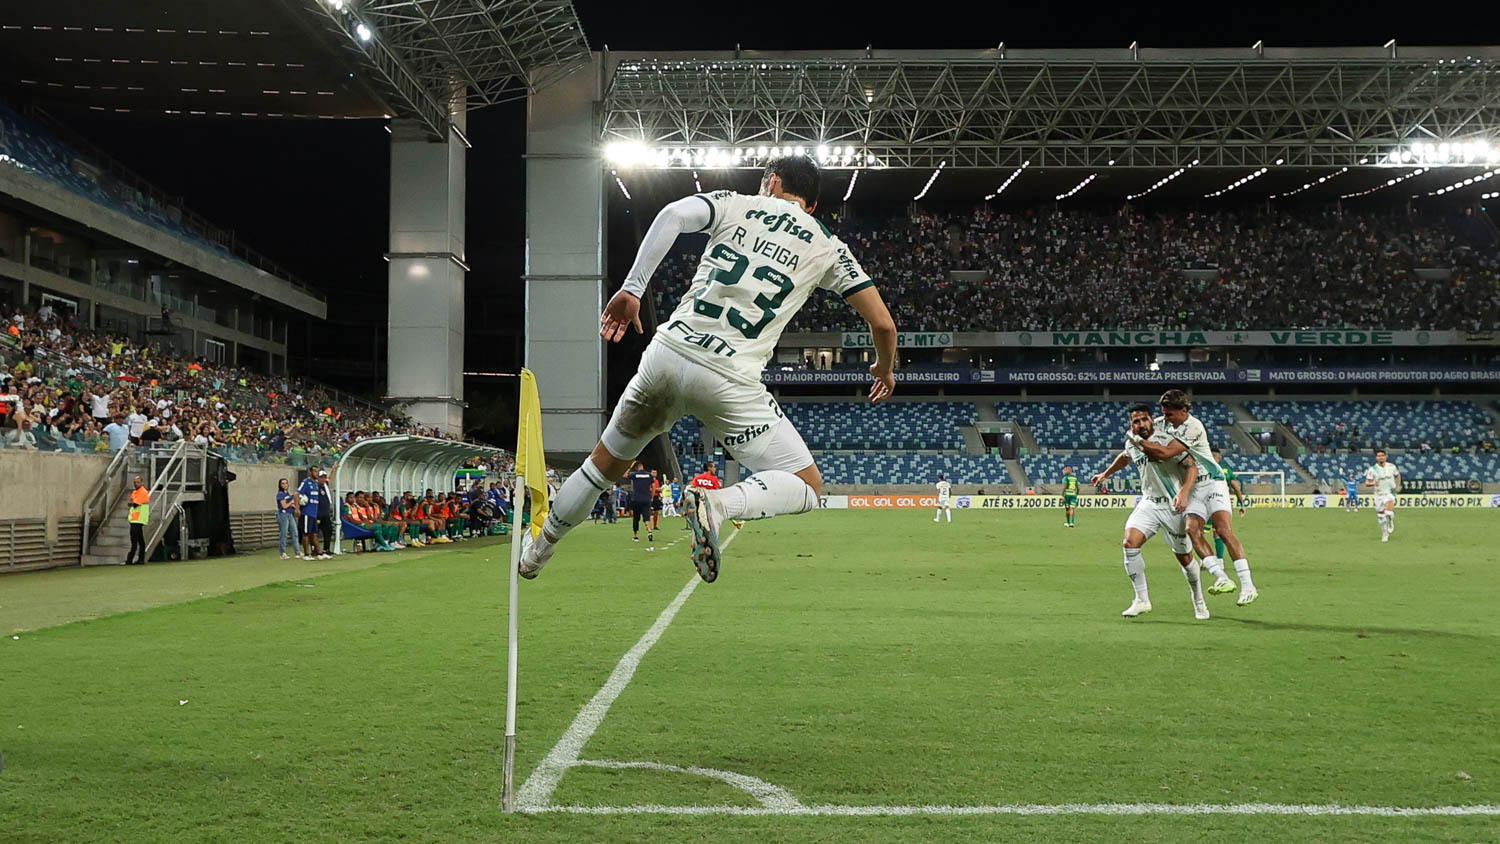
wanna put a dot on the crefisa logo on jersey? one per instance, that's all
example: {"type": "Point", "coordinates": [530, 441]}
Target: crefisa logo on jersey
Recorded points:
{"type": "Point", "coordinates": [781, 221]}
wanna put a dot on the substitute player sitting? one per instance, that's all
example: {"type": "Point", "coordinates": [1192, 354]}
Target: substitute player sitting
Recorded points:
{"type": "Point", "coordinates": [1166, 489]}
{"type": "Point", "coordinates": [765, 256]}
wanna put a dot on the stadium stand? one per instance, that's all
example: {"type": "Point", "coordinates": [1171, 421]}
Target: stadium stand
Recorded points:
{"type": "Point", "coordinates": [70, 382]}
{"type": "Point", "coordinates": [904, 426]}
{"type": "Point", "coordinates": [1330, 468]}
{"type": "Point", "coordinates": [880, 468]}
{"type": "Point", "coordinates": [26, 144]}
{"type": "Point", "coordinates": [1097, 424]}
{"type": "Point", "coordinates": [1229, 269]}
{"type": "Point", "coordinates": [1392, 424]}
{"type": "Point", "coordinates": [1048, 468]}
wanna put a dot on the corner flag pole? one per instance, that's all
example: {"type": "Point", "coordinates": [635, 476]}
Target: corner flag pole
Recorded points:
{"type": "Point", "coordinates": [518, 501]}
{"type": "Point", "coordinates": [531, 462]}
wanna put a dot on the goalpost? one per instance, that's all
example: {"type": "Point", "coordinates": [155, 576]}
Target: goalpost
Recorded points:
{"type": "Point", "coordinates": [1276, 480]}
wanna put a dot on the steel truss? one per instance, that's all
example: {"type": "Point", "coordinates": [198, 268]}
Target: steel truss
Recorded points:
{"type": "Point", "coordinates": [1062, 108]}
{"type": "Point", "coordinates": [437, 57]}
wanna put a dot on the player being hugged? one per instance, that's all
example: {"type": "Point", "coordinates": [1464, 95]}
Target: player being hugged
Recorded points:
{"type": "Point", "coordinates": [765, 256]}
{"type": "Point", "coordinates": [1386, 479]}
{"type": "Point", "coordinates": [1166, 488]}
{"type": "Point", "coordinates": [1210, 499]}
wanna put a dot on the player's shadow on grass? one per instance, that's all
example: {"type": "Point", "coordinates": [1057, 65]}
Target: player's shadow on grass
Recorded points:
{"type": "Point", "coordinates": [1333, 628]}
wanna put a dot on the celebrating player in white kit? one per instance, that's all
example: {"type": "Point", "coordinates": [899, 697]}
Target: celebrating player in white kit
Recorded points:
{"type": "Point", "coordinates": [945, 503]}
{"type": "Point", "coordinates": [1210, 499]}
{"type": "Point", "coordinates": [1166, 488]}
{"type": "Point", "coordinates": [1386, 479]}
{"type": "Point", "coordinates": [765, 256]}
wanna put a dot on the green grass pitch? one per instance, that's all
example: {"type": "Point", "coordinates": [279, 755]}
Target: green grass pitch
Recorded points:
{"type": "Point", "coordinates": [849, 658]}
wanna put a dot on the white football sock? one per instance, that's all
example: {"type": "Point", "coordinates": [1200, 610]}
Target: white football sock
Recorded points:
{"type": "Point", "coordinates": [766, 494]}
{"type": "Point", "coordinates": [1195, 582]}
{"type": "Point", "coordinates": [1135, 567]}
{"type": "Point", "coordinates": [575, 501]}
{"type": "Point", "coordinates": [1242, 568]}
{"type": "Point", "coordinates": [950, 513]}
{"type": "Point", "coordinates": [938, 514]}
{"type": "Point", "coordinates": [1214, 565]}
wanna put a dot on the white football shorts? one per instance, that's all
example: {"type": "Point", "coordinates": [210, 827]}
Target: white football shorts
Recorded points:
{"type": "Point", "coordinates": [1207, 498]}
{"type": "Point", "coordinates": [745, 417]}
{"type": "Point", "coordinates": [1150, 519]}
{"type": "Point", "coordinates": [1383, 498]}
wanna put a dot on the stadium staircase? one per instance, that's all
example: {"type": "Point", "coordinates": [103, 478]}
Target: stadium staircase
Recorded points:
{"type": "Point", "coordinates": [1018, 472]}
{"type": "Point", "coordinates": [174, 476]}
{"type": "Point", "coordinates": [973, 442]}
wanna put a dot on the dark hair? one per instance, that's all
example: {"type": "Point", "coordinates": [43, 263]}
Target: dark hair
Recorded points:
{"type": "Point", "coordinates": [1176, 400]}
{"type": "Point", "coordinates": [1140, 407]}
{"type": "Point", "coordinates": [1380, 451]}
{"type": "Point", "coordinates": [799, 176]}
{"type": "Point", "coordinates": [708, 465]}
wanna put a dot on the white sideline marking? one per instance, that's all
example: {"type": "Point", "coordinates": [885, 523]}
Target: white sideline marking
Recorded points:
{"type": "Point", "coordinates": [772, 797]}
{"type": "Point", "coordinates": [538, 788]}
{"type": "Point", "coordinates": [1315, 809]}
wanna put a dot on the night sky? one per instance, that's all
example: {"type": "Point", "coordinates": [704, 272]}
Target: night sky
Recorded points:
{"type": "Point", "coordinates": [313, 195]}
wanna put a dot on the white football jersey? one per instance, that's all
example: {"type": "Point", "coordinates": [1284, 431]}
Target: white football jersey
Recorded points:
{"type": "Point", "coordinates": [944, 490]}
{"type": "Point", "coordinates": [1384, 478]}
{"type": "Point", "coordinates": [1159, 479]}
{"type": "Point", "coordinates": [1193, 435]}
{"type": "Point", "coordinates": [764, 257]}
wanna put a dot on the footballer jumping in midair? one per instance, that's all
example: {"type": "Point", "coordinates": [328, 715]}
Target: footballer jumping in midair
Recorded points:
{"type": "Point", "coordinates": [765, 256]}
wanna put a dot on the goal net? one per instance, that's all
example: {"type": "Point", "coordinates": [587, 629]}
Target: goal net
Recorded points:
{"type": "Point", "coordinates": [1264, 488]}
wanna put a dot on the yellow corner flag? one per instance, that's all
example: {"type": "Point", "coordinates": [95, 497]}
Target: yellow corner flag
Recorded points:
{"type": "Point", "coordinates": [531, 459]}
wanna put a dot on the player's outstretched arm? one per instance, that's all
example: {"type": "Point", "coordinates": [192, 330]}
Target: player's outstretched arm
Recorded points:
{"type": "Point", "coordinates": [1157, 451]}
{"type": "Point", "coordinates": [1121, 461]}
{"type": "Point", "coordinates": [689, 214]}
{"type": "Point", "coordinates": [868, 304]}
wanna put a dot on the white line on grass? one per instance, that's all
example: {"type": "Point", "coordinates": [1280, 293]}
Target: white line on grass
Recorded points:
{"type": "Point", "coordinates": [538, 788]}
{"type": "Point", "coordinates": [1315, 809]}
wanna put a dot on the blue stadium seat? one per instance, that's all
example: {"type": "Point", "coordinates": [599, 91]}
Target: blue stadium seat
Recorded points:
{"type": "Point", "coordinates": [1394, 424]}
{"type": "Point", "coordinates": [880, 468]}
{"type": "Point", "coordinates": [37, 150]}
{"type": "Point", "coordinates": [1333, 468]}
{"type": "Point", "coordinates": [1098, 424]}
{"type": "Point", "coordinates": [897, 426]}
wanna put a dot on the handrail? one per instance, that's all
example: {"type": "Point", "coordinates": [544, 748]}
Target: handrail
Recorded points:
{"type": "Point", "coordinates": [115, 468]}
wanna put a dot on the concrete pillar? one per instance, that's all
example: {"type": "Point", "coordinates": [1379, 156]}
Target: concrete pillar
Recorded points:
{"type": "Point", "coordinates": [425, 352]}
{"type": "Point", "coordinates": [565, 260]}
{"type": "Point", "coordinates": [26, 272]}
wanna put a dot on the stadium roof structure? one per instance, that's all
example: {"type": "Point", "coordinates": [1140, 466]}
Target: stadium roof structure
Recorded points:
{"type": "Point", "coordinates": [421, 59]}
{"type": "Point", "coordinates": [1158, 112]}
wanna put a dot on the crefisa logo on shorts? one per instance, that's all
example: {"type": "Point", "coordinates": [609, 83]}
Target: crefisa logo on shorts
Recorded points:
{"type": "Point", "coordinates": [748, 435]}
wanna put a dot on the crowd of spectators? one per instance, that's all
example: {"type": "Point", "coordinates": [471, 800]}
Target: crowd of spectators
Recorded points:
{"type": "Point", "coordinates": [66, 388]}
{"type": "Point", "coordinates": [1050, 269]}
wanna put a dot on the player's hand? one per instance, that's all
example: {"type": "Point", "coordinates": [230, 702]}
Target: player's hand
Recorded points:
{"type": "Point", "coordinates": [885, 384]}
{"type": "Point", "coordinates": [1098, 479]}
{"type": "Point", "coordinates": [623, 311]}
{"type": "Point", "coordinates": [1179, 501]}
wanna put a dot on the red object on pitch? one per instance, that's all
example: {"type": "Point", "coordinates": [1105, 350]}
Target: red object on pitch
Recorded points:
{"type": "Point", "coordinates": [706, 481]}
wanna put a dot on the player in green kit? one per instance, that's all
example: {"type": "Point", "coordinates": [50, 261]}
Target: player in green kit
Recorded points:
{"type": "Point", "coordinates": [1239, 497]}
{"type": "Point", "coordinates": [1070, 496]}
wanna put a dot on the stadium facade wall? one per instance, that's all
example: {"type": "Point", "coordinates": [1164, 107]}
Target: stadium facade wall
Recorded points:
{"type": "Point", "coordinates": [49, 486]}
{"type": "Point", "coordinates": [58, 200]}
